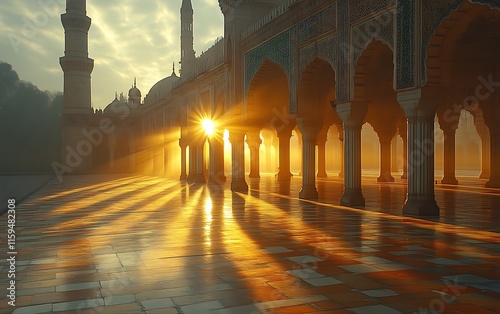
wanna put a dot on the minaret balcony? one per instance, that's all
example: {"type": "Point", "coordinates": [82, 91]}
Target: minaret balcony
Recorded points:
{"type": "Point", "coordinates": [76, 64]}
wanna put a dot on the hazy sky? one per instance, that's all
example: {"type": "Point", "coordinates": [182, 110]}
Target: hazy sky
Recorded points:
{"type": "Point", "coordinates": [127, 39]}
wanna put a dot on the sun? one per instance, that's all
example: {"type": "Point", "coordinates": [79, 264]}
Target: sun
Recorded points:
{"type": "Point", "coordinates": [208, 126]}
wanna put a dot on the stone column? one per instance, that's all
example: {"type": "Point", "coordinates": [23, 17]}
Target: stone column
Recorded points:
{"type": "Point", "coordinates": [238, 183]}
{"type": "Point", "coordinates": [200, 161]}
{"type": "Point", "coordinates": [183, 146]}
{"type": "Point", "coordinates": [491, 117]}
{"type": "Point", "coordinates": [254, 141]}
{"type": "Point", "coordinates": [485, 155]}
{"type": "Point", "coordinates": [385, 157]}
{"type": "Point", "coordinates": [494, 181]}
{"type": "Point", "coordinates": [341, 147]}
{"type": "Point", "coordinates": [299, 141]}
{"type": "Point", "coordinates": [284, 136]}
{"type": "Point", "coordinates": [321, 142]}
{"type": "Point", "coordinates": [192, 161]}
{"type": "Point", "coordinates": [403, 132]}
{"type": "Point", "coordinates": [276, 145]}
{"type": "Point", "coordinates": [216, 171]}
{"type": "Point", "coordinates": [268, 144]}
{"type": "Point", "coordinates": [394, 154]}
{"type": "Point", "coordinates": [449, 155]}
{"type": "Point", "coordinates": [352, 116]}
{"type": "Point", "coordinates": [309, 129]}
{"type": "Point", "coordinates": [420, 199]}
{"type": "Point", "coordinates": [165, 159]}
{"type": "Point", "coordinates": [484, 134]}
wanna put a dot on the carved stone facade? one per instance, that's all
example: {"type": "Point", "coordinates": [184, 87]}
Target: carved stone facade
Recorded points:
{"type": "Point", "coordinates": [304, 45]}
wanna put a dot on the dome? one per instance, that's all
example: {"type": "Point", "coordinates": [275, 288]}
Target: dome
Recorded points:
{"type": "Point", "coordinates": [161, 90]}
{"type": "Point", "coordinates": [134, 92]}
{"type": "Point", "coordinates": [115, 107]}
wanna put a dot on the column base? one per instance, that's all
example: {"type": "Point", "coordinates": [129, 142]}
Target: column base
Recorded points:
{"type": "Point", "coordinates": [341, 174]}
{"type": "Point", "coordinates": [421, 207]}
{"type": "Point", "coordinates": [493, 183]}
{"type": "Point", "coordinates": [308, 193]}
{"type": "Point", "coordinates": [404, 176]}
{"type": "Point", "coordinates": [322, 175]}
{"type": "Point", "coordinates": [200, 179]}
{"type": "Point", "coordinates": [254, 176]}
{"type": "Point", "coordinates": [183, 177]}
{"type": "Point", "coordinates": [386, 177]}
{"type": "Point", "coordinates": [448, 180]}
{"type": "Point", "coordinates": [484, 175]}
{"type": "Point", "coordinates": [217, 179]}
{"type": "Point", "coordinates": [239, 186]}
{"type": "Point", "coordinates": [283, 176]}
{"type": "Point", "coordinates": [352, 198]}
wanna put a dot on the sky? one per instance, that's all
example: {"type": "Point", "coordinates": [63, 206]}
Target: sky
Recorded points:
{"type": "Point", "coordinates": [127, 39]}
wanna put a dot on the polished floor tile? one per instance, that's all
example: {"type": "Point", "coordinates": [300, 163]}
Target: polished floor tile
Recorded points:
{"type": "Point", "coordinates": [137, 244]}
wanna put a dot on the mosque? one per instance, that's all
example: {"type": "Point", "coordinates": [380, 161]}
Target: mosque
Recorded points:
{"type": "Point", "coordinates": [335, 84]}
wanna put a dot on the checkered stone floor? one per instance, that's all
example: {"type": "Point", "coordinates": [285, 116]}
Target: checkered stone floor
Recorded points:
{"type": "Point", "coordinates": [109, 244]}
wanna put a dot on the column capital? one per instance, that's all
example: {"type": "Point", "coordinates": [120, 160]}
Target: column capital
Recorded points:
{"type": "Point", "coordinates": [411, 102]}
{"type": "Point", "coordinates": [183, 142]}
{"type": "Point", "coordinates": [352, 113]}
{"type": "Point", "coordinates": [285, 134]}
{"type": "Point", "coordinates": [309, 128]}
{"type": "Point", "coordinates": [322, 137]}
{"type": "Point", "coordinates": [286, 131]}
{"type": "Point", "coordinates": [236, 136]}
{"type": "Point", "coordinates": [253, 138]}
{"type": "Point", "coordinates": [448, 129]}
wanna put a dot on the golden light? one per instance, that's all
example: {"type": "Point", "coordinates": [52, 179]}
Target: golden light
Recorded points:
{"type": "Point", "coordinates": [208, 126]}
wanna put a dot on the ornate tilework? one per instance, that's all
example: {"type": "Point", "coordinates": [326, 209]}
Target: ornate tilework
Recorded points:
{"type": "Point", "coordinates": [405, 55]}
{"type": "Point", "coordinates": [294, 56]}
{"type": "Point", "coordinates": [276, 49]}
{"type": "Point", "coordinates": [343, 53]}
{"type": "Point", "coordinates": [381, 27]}
{"type": "Point", "coordinates": [362, 8]}
{"type": "Point", "coordinates": [324, 49]}
{"type": "Point", "coordinates": [318, 24]}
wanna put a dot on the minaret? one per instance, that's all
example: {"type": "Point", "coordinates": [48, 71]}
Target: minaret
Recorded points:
{"type": "Point", "coordinates": [75, 64]}
{"type": "Point", "coordinates": [188, 59]}
{"type": "Point", "coordinates": [77, 141]}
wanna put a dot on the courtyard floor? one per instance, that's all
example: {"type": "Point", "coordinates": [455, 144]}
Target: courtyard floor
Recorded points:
{"type": "Point", "coordinates": [114, 244]}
